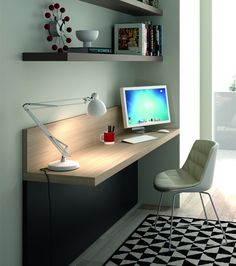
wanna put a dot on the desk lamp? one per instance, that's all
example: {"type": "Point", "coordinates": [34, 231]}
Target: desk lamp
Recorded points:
{"type": "Point", "coordinates": [95, 108]}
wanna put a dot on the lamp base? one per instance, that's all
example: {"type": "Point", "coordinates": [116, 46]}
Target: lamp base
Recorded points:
{"type": "Point", "coordinates": [60, 166]}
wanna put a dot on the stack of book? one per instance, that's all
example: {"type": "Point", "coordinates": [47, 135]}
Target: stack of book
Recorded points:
{"type": "Point", "coordinates": [154, 3]}
{"type": "Point", "coordinates": [94, 50]}
{"type": "Point", "coordinates": [154, 40]}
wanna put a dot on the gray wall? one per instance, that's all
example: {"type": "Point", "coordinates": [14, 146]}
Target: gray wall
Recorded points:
{"type": "Point", "coordinates": [22, 30]}
{"type": "Point", "coordinates": [167, 73]}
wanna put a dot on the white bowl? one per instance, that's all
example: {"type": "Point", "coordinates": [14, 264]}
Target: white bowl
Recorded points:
{"type": "Point", "coordinates": [87, 36]}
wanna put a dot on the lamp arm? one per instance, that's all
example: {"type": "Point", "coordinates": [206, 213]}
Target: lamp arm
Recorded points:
{"type": "Point", "coordinates": [62, 147]}
{"type": "Point", "coordinates": [58, 103]}
{"type": "Point", "coordinates": [100, 109]}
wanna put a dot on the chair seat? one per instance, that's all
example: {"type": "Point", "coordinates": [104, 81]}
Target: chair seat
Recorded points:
{"type": "Point", "coordinates": [174, 180]}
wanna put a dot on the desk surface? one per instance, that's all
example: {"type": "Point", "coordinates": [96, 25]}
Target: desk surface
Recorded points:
{"type": "Point", "coordinates": [98, 162]}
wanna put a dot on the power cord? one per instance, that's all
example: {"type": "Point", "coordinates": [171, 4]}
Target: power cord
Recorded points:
{"type": "Point", "coordinates": [50, 216]}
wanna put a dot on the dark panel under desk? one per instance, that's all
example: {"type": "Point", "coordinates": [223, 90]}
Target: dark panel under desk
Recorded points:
{"type": "Point", "coordinates": [161, 159]}
{"type": "Point", "coordinates": [80, 215]}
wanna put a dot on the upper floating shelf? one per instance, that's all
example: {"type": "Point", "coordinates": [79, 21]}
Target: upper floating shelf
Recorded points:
{"type": "Point", "coordinates": [88, 57]}
{"type": "Point", "coordinates": [132, 7]}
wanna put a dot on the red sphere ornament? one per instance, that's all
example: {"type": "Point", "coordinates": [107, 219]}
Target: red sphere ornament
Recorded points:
{"type": "Point", "coordinates": [54, 47]}
{"type": "Point", "coordinates": [56, 28]}
{"type": "Point", "coordinates": [47, 26]}
{"type": "Point", "coordinates": [49, 38]}
{"type": "Point", "coordinates": [47, 15]}
{"type": "Point", "coordinates": [51, 7]}
{"type": "Point", "coordinates": [56, 5]}
{"type": "Point", "coordinates": [66, 18]}
{"type": "Point", "coordinates": [68, 40]}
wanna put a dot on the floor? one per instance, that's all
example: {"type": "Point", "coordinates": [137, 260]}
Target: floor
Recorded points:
{"type": "Point", "coordinates": [223, 193]}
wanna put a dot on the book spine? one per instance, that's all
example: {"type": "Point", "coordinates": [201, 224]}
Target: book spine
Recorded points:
{"type": "Point", "coordinates": [157, 36]}
{"type": "Point", "coordinates": [157, 41]}
{"type": "Point", "coordinates": [91, 50]}
{"type": "Point", "coordinates": [144, 39]}
{"type": "Point", "coordinates": [160, 30]}
{"type": "Point", "coordinates": [155, 45]}
{"type": "Point", "coordinates": [100, 50]}
{"type": "Point", "coordinates": [147, 24]}
{"type": "Point", "coordinates": [151, 40]}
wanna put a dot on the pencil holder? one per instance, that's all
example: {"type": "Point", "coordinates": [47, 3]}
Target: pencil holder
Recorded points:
{"type": "Point", "coordinates": [108, 137]}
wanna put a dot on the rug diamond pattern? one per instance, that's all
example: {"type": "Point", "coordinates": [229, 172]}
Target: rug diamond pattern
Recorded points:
{"type": "Point", "coordinates": [193, 243]}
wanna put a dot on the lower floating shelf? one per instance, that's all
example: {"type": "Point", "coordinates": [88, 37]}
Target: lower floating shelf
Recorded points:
{"type": "Point", "coordinates": [88, 57]}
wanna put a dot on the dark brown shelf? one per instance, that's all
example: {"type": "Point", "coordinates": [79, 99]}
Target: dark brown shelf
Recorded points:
{"type": "Point", "coordinates": [88, 57]}
{"type": "Point", "coordinates": [132, 7]}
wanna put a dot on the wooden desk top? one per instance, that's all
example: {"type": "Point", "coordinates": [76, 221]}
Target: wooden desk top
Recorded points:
{"type": "Point", "coordinates": [97, 161]}
{"type": "Point", "coordinates": [100, 161]}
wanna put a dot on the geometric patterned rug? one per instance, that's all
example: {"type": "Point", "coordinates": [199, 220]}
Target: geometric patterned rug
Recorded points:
{"type": "Point", "coordinates": [193, 243]}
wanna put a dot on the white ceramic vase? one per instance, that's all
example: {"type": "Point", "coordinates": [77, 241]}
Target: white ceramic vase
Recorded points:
{"type": "Point", "coordinates": [87, 36]}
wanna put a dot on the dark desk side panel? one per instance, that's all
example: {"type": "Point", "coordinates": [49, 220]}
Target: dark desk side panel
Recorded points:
{"type": "Point", "coordinates": [79, 216]}
{"type": "Point", "coordinates": [161, 159]}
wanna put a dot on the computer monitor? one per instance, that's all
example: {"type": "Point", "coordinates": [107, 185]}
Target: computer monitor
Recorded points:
{"type": "Point", "coordinates": [144, 106]}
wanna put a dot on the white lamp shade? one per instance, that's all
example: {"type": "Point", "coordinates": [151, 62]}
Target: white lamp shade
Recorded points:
{"type": "Point", "coordinates": [96, 107]}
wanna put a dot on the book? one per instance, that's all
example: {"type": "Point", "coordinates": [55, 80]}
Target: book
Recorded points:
{"type": "Point", "coordinates": [151, 40]}
{"type": "Point", "coordinates": [147, 26]}
{"type": "Point", "coordinates": [155, 40]}
{"type": "Point", "coordinates": [95, 50]}
{"type": "Point", "coordinates": [130, 38]}
{"type": "Point", "coordinates": [160, 29]}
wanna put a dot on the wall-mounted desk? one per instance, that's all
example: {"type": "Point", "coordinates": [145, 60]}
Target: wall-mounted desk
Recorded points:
{"type": "Point", "coordinates": [99, 162]}
{"type": "Point", "coordinates": [94, 196]}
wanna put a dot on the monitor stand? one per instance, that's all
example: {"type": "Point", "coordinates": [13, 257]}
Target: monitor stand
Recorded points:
{"type": "Point", "coordinates": [138, 130]}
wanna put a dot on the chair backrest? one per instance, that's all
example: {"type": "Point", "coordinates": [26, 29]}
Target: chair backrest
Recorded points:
{"type": "Point", "coordinates": [200, 163]}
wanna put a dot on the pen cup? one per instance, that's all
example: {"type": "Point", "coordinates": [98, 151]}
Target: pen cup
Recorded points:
{"type": "Point", "coordinates": [108, 137]}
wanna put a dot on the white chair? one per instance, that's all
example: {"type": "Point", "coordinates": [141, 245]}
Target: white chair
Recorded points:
{"type": "Point", "coordinates": [196, 175]}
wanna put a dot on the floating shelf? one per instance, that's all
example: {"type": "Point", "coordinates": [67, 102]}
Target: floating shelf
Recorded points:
{"type": "Point", "coordinates": [132, 7]}
{"type": "Point", "coordinates": [88, 57]}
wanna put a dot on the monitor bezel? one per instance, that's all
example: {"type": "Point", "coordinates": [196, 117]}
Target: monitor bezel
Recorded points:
{"type": "Point", "coordinates": [124, 106]}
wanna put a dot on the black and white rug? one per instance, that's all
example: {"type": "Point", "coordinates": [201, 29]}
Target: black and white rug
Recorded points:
{"type": "Point", "coordinates": [193, 243]}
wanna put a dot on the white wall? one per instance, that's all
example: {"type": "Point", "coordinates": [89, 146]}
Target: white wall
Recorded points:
{"type": "Point", "coordinates": [189, 75]}
{"type": "Point", "coordinates": [22, 30]}
{"type": "Point", "coordinates": [218, 55]}
{"type": "Point", "coordinates": [223, 44]}
{"type": "Point", "coordinates": [206, 69]}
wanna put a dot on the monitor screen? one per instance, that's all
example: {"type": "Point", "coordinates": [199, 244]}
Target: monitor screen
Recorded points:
{"type": "Point", "coordinates": [144, 106]}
